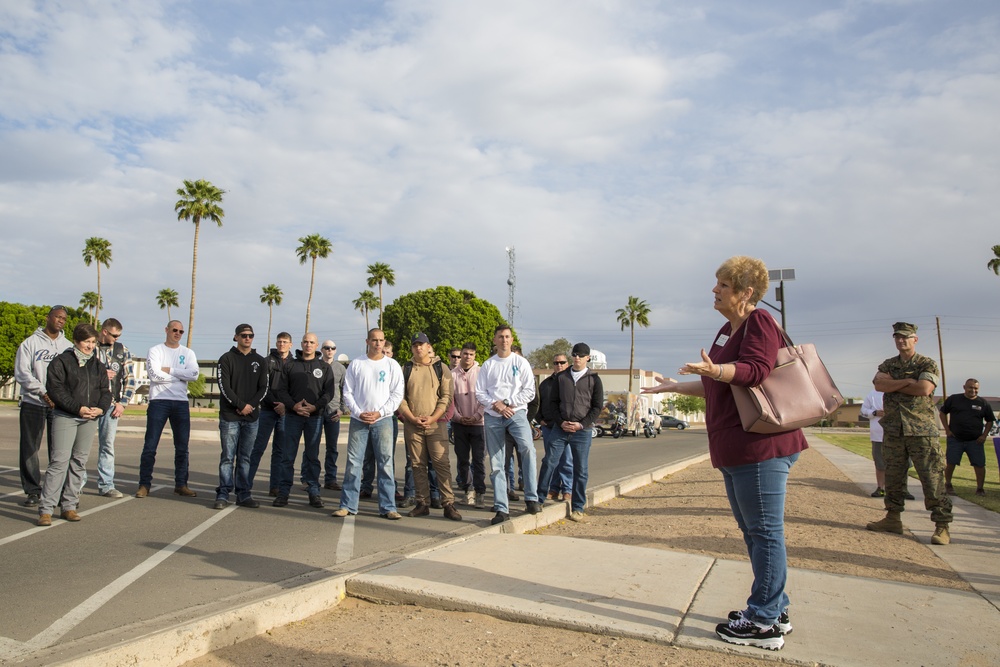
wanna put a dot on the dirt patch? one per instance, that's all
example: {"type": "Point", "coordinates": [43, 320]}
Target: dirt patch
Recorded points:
{"type": "Point", "coordinates": [825, 518]}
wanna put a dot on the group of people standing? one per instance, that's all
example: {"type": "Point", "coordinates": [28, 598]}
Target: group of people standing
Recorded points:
{"type": "Point", "coordinates": [81, 388]}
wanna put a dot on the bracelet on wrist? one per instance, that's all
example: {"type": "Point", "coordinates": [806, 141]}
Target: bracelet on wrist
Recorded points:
{"type": "Point", "coordinates": [720, 373]}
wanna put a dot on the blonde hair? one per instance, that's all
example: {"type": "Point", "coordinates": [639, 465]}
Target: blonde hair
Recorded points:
{"type": "Point", "coordinates": [744, 272]}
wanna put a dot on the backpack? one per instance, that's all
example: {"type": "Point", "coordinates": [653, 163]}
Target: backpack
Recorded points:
{"type": "Point", "coordinates": [439, 370]}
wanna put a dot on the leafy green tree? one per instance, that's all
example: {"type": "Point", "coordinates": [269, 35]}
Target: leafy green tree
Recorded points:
{"type": "Point", "coordinates": [366, 302]}
{"type": "Point", "coordinates": [541, 357]}
{"type": "Point", "coordinates": [199, 200]}
{"type": "Point", "coordinates": [17, 322]}
{"type": "Point", "coordinates": [377, 274]}
{"type": "Point", "coordinates": [97, 250]}
{"type": "Point", "coordinates": [271, 295]}
{"type": "Point", "coordinates": [634, 312]}
{"type": "Point", "coordinates": [91, 302]}
{"type": "Point", "coordinates": [449, 317]}
{"type": "Point", "coordinates": [688, 405]}
{"type": "Point", "coordinates": [312, 247]}
{"type": "Point", "coordinates": [166, 298]}
{"type": "Point", "coordinates": [994, 264]}
{"type": "Point", "coordinates": [196, 388]}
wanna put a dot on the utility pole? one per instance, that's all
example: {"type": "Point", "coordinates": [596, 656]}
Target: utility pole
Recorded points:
{"type": "Point", "coordinates": [944, 385]}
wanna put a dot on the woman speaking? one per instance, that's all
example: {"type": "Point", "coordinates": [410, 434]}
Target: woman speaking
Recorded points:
{"type": "Point", "coordinates": [754, 466]}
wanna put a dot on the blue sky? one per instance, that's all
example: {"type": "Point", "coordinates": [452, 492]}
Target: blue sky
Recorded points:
{"type": "Point", "coordinates": [623, 148]}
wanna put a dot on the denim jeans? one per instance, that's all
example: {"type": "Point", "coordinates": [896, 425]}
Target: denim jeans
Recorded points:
{"type": "Point", "coordinates": [71, 443]}
{"type": "Point", "coordinates": [368, 467]}
{"type": "Point", "coordinates": [358, 437]}
{"type": "Point", "coordinates": [579, 444]}
{"type": "Point", "coordinates": [517, 426]}
{"type": "Point", "coordinates": [562, 480]}
{"type": "Point", "coordinates": [158, 413]}
{"type": "Point", "coordinates": [756, 494]}
{"type": "Point", "coordinates": [512, 451]}
{"type": "Point", "coordinates": [269, 421]}
{"type": "Point", "coordinates": [107, 427]}
{"type": "Point", "coordinates": [309, 429]}
{"type": "Point", "coordinates": [238, 439]}
{"type": "Point", "coordinates": [33, 420]}
{"type": "Point", "coordinates": [470, 442]}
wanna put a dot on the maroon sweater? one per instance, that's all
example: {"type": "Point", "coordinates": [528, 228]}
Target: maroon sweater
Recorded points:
{"type": "Point", "coordinates": [753, 349]}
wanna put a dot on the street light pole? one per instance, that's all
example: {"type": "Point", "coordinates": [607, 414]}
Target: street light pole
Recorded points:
{"type": "Point", "coordinates": [781, 275]}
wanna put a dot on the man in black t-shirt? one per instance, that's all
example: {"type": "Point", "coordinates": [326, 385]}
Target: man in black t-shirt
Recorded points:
{"type": "Point", "coordinates": [967, 419]}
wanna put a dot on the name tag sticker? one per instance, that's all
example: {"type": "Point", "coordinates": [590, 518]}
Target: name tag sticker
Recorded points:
{"type": "Point", "coordinates": [721, 340]}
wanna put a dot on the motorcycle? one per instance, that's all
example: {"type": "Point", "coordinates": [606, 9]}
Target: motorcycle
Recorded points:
{"type": "Point", "coordinates": [647, 428]}
{"type": "Point", "coordinates": [619, 424]}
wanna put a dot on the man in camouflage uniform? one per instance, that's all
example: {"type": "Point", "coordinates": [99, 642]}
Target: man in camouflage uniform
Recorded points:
{"type": "Point", "coordinates": [911, 430]}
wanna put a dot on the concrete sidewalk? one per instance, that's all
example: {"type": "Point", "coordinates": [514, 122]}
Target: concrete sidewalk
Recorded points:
{"type": "Point", "coordinates": [656, 595]}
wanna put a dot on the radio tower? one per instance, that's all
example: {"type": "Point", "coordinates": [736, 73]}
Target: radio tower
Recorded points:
{"type": "Point", "coordinates": [511, 281]}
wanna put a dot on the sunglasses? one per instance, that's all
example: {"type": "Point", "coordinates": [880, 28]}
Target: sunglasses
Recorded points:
{"type": "Point", "coordinates": [456, 356]}
{"type": "Point", "coordinates": [115, 336]}
{"type": "Point", "coordinates": [580, 356]}
{"type": "Point", "coordinates": [327, 347]}
{"type": "Point", "coordinates": [246, 335]}
{"type": "Point", "coordinates": [180, 331]}
{"type": "Point", "coordinates": [559, 363]}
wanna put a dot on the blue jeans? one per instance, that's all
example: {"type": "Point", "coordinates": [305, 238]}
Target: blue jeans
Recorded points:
{"type": "Point", "coordinates": [562, 479]}
{"type": "Point", "coordinates": [756, 494]}
{"type": "Point", "coordinates": [311, 430]}
{"type": "Point", "coordinates": [158, 413]}
{"type": "Point", "coordinates": [579, 443]}
{"type": "Point", "coordinates": [107, 427]}
{"type": "Point", "coordinates": [238, 439]}
{"type": "Point", "coordinates": [517, 426]}
{"type": "Point", "coordinates": [269, 421]}
{"type": "Point", "coordinates": [358, 437]}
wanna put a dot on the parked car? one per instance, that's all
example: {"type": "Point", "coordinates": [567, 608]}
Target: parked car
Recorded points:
{"type": "Point", "coordinates": [673, 422]}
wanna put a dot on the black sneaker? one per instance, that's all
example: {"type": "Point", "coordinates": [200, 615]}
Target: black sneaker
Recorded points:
{"type": "Point", "coordinates": [32, 501]}
{"type": "Point", "coordinates": [532, 507]}
{"type": "Point", "coordinates": [249, 502]}
{"type": "Point", "coordinates": [512, 497]}
{"type": "Point", "coordinates": [436, 504]}
{"type": "Point", "coordinates": [748, 633]}
{"type": "Point", "coordinates": [315, 501]}
{"type": "Point", "coordinates": [500, 518]}
{"type": "Point", "coordinates": [220, 504]}
{"type": "Point", "coordinates": [784, 623]}
{"type": "Point", "coordinates": [878, 493]}
{"type": "Point", "coordinates": [280, 501]}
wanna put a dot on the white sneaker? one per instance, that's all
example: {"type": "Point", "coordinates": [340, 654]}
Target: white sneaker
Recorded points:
{"type": "Point", "coordinates": [113, 493]}
{"type": "Point", "coordinates": [579, 517]}
{"type": "Point", "coordinates": [470, 497]}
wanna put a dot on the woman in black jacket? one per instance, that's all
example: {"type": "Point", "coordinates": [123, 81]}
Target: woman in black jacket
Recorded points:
{"type": "Point", "coordinates": [77, 382]}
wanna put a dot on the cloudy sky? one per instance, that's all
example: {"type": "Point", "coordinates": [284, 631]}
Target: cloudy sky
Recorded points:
{"type": "Point", "coordinates": [623, 148]}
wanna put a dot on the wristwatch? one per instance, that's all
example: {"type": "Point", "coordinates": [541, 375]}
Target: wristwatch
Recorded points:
{"type": "Point", "coordinates": [506, 402]}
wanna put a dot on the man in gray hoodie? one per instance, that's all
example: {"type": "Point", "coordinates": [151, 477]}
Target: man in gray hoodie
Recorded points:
{"type": "Point", "coordinates": [31, 364]}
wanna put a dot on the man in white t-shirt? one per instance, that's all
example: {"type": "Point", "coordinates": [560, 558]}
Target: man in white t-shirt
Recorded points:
{"type": "Point", "coordinates": [504, 388]}
{"type": "Point", "coordinates": [170, 367]}
{"type": "Point", "coordinates": [373, 390]}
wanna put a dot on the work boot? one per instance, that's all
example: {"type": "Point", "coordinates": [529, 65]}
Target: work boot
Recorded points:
{"type": "Point", "coordinates": [451, 513]}
{"type": "Point", "coordinates": [890, 524]}
{"type": "Point", "coordinates": [941, 535]}
{"type": "Point", "coordinates": [420, 509]}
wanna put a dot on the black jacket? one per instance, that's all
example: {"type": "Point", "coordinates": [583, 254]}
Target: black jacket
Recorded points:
{"type": "Point", "coordinates": [311, 380]}
{"type": "Point", "coordinates": [71, 386]}
{"type": "Point", "coordinates": [577, 402]}
{"type": "Point", "coordinates": [275, 364]}
{"type": "Point", "coordinates": [546, 413]}
{"type": "Point", "coordinates": [242, 381]}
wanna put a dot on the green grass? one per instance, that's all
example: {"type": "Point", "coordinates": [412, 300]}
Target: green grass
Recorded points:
{"type": "Point", "coordinates": [964, 479]}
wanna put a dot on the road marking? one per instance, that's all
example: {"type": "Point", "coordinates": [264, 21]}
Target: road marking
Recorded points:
{"type": "Point", "coordinates": [82, 611]}
{"type": "Point", "coordinates": [56, 522]}
{"type": "Point", "coordinates": [4, 471]}
{"type": "Point", "coordinates": [345, 543]}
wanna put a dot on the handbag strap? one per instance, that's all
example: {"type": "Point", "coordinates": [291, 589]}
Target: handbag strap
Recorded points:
{"type": "Point", "coordinates": [784, 334]}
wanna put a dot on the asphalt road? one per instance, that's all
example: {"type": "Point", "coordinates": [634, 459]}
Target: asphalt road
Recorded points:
{"type": "Point", "coordinates": [132, 566]}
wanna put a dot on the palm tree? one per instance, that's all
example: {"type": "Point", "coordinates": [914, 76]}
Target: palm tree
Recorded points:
{"type": "Point", "coordinates": [377, 274]}
{"type": "Point", "coordinates": [994, 264]}
{"type": "Point", "coordinates": [165, 298]}
{"type": "Point", "coordinates": [634, 312]}
{"type": "Point", "coordinates": [271, 295]}
{"type": "Point", "coordinates": [96, 249]}
{"type": "Point", "coordinates": [366, 302]}
{"type": "Point", "coordinates": [313, 246]}
{"type": "Point", "coordinates": [91, 301]}
{"type": "Point", "coordinates": [198, 200]}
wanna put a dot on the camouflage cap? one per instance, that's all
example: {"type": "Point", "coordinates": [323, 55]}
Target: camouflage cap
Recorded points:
{"type": "Point", "coordinates": [904, 329]}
